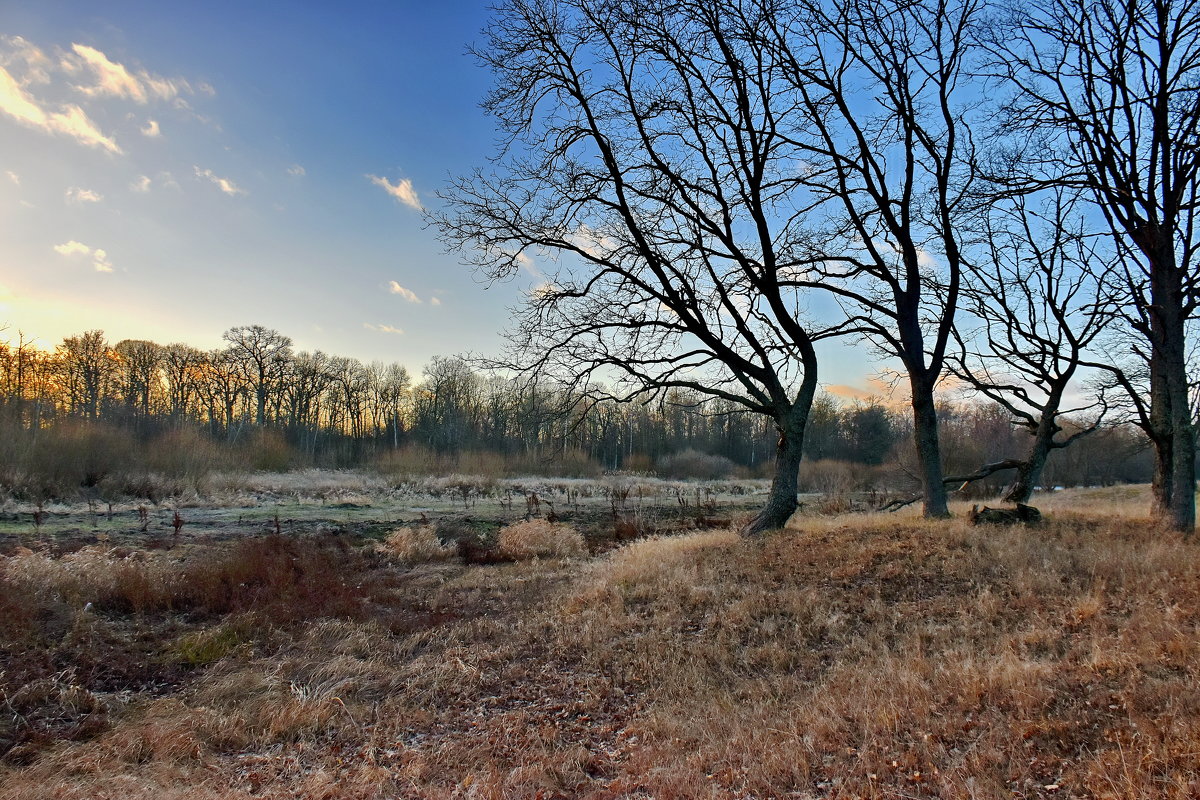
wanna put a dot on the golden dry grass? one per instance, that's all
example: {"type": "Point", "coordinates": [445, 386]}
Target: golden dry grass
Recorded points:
{"type": "Point", "coordinates": [537, 538]}
{"type": "Point", "coordinates": [417, 544]}
{"type": "Point", "coordinates": [867, 656]}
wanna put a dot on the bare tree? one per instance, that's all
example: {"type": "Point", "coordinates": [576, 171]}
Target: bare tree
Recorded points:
{"type": "Point", "coordinates": [649, 149]}
{"type": "Point", "coordinates": [348, 391]}
{"type": "Point", "coordinates": [138, 374]}
{"type": "Point", "coordinates": [886, 157]}
{"type": "Point", "coordinates": [183, 371]}
{"type": "Point", "coordinates": [1107, 98]}
{"type": "Point", "coordinates": [263, 354]}
{"type": "Point", "coordinates": [390, 386]}
{"type": "Point", "coordinates": [88, 368]}
{"type": "Point", "coordinates": [224, 387]}
{"type": "Point", "coordinates": [1034, 310]}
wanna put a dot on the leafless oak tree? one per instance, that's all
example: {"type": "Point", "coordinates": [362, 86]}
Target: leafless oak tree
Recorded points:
{"type": "Point", "coordinates": [889, 161]}
{"type": "Point", "coordinates": [651, 150]}
{"type": "Point", "coordinates": [1107, 98]}
{"type": "Point", "coordinates": [263, 354]}
{"type": "Point", "coordinates": [1034, 309]}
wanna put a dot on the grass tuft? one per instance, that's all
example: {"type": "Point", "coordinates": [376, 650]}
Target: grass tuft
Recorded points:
{"type": "Point", "coordinates": [537, 538]}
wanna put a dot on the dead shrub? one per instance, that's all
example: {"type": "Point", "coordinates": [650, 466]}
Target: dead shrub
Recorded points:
{"type": "Point", "coordinates": [695, 464]}
{"type": "Point", "coordinates": [186, 452]}
{"type": "Point", "coordinates": [537, 538]}
{"type": "Point", "coordinates": [268, 450]}
{"type": "Point", "coordinates": [286, 580]}
{"type": "Point", "coordinates": [417, 545]}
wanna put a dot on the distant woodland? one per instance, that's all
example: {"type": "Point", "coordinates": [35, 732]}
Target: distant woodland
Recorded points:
{"type": "Point", "coordinates": [91, 413]}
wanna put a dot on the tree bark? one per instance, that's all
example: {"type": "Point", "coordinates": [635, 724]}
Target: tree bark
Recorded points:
{"type": "Point", "coordinates": [1181, 503]}
{"type": "Point", "coordinates": [781, 503]}
{"type": "Point", "coordinates": [929, 453]}
{"type": "Point", "coordinates": [1029, 472]}
{"type": "Point", "coordinates": [1170, 415]}
{"type": "Point", "coordinates": [1028, 475]}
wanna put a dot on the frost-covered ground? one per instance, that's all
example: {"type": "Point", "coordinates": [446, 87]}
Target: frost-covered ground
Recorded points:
{"type": "Point", "coordinates": [313, 501]}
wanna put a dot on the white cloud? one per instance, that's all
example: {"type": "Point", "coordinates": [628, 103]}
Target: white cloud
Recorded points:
{"type": "Point", "coordinates": [100, 261]}
{"type": "Point", "coordinates": [115, 80]}
{"type": "Point", "coordinates": [297, 170]}
{"type": "Point", "coordinates": [407, 294]}
{"type": "Point", "coordinates": [99, 257]}
{"type": "Point", "coordinates": [77, 195]}
{"type": "Point", "coordinates": [17, 50]}
{"type": "Point", "coordinates": [91, 74]}
{"type": "Point", "coordinates": [402, 190]}
{"type": "Point", "coordinates": [142, 184]}
{"type": "Point", "coordinates": [527, 264]}
{"type": "Point", "coordinates": [71, 120]}
{"type": "Point", "coordinates": [435, 301]}
{"type": "Point", "coordinates": [381, 328]}
{"type": "Point", "coordinates": [151, 130]}
{"type": "Point", "coordinates": [225, 185]}
{"type": "Point", "coordinates": [14, 177]}
{"type": "Point", "coordinates": [72, 248]}
{"type": "Point", "coordinates": [593, 242]}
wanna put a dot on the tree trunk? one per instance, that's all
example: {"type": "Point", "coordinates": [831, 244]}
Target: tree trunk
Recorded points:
{"type": "Point", "coordinates": [790, 423]}
{"type": "Point", "coordinates": [929, 453]}
{"type": "Point", "coordinates": [1181, 504]}
{"type": "Point", "coordinates": [1174, 435]}
{"type": "Point", "coordinates": [1163, 480]}
{"type": "Point", "coordinates": [1030, 472]}
{"type": "Point", "coordinates": [1028, 475]}
{"type": "Point", "coordinates": [781, 503]}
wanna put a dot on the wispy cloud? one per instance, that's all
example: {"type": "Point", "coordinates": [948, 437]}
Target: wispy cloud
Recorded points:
{"type": "Point", "coordinates": [112, 79]}
{"type": "Point", "coordinates": [435, 301]}
{"type": "Point", "coordinates": [34, 64]}
{"type": "Point", "coordinates": [407, 294]}
{"type": "Point", "coordinates": [91, 75]}
{"type": "Point", "coordinates": [77, 195]}
{"type": "Point", "coordinates": [70, 120]}
{"type": "Point", "coordinates": [849, 392]}
{"type": "Point", "coordinates": [224, 184]}
{"type": "Point", "coordinates": [97, 255]}
{"type": "Point", "coordinates": [529, 266]}
{"type": "Point", "coordinates": [14, 177]}
{"type": "Point", "coordinates": [402, 190]}
{"type": "Point", "coordinates": [72, 248]}
{"type": "Point", "coordinates": [542, 290]}
{"type": "Point", "coordinates": [381, 328]}
{"type": "Point", "coordinates": [100, 261]}
{"type": "Point", "coordinates": [296, 170]}
{"type": "Point", "coordinates": [142, 184]}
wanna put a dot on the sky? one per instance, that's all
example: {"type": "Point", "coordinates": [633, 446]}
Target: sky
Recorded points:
{"type": "Point", "coordinates": [171, 170]}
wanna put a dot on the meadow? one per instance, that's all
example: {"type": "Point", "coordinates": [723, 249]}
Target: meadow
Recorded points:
{"type": "Point", "coordinates": [322, 635]}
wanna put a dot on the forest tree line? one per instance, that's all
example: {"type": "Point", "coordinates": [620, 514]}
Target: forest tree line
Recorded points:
{"type": "Point", "coordinates": [334, 411]}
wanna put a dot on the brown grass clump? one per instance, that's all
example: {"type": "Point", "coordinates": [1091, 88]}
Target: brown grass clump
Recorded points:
{"type": "Point", "coordinates": [537, 538]}
{"type": "Point", "coordinates": [417, 545]}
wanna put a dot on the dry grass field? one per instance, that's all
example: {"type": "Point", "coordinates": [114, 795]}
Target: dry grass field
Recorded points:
{"type": "Point", "coordinates": [872, 656]}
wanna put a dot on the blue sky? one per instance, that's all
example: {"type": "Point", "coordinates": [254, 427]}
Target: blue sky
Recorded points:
{"type": "Point", "coordinates": [170, 170]}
